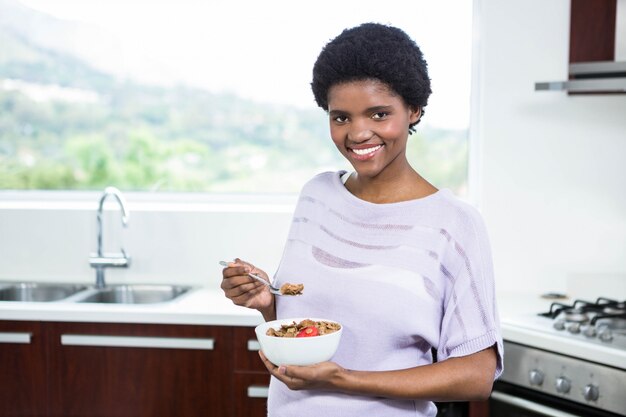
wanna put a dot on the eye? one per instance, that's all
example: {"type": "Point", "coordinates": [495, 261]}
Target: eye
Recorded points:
{"type": "Point", "coordinates": [340, 119]}
{"type": "Point", "coordinates": [380, 115]}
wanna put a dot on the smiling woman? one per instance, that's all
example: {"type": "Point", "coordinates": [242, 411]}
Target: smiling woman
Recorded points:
{"type": "Point", "coordinates": [381, 235]}
{"type": "Point", "coordinates": [95, 93]}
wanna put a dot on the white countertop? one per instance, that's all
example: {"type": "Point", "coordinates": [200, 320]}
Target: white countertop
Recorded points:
{"type": "Point", "coordinates": [205, 306]}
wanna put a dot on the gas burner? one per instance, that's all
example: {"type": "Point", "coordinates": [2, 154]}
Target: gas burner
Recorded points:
{"type": "Point", "coordinates": [602, 320]}
{"type": "Point", "coordinates": [576, 315]}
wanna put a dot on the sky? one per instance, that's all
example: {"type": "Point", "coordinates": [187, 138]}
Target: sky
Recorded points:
{"type": "Point", "coordinates": [265, 50]}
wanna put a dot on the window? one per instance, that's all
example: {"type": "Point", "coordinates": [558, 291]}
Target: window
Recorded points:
{"type": "Point", "coordinates": [195, 95]}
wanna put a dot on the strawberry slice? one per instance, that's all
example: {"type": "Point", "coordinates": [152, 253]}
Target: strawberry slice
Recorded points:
{"type": "Point", "coordinates": [308, 332]}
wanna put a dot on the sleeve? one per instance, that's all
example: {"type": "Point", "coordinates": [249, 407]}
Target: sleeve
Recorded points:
{"type": "Point", "coordinates": [470, 320]}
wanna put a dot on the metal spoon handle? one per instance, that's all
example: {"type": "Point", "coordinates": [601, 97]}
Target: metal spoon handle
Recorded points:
{"type": "Point", "coordinates": [258, 278]}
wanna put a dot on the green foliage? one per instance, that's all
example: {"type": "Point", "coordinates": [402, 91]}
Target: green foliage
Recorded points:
{"type": "Point", "coordinates": [65, 125]}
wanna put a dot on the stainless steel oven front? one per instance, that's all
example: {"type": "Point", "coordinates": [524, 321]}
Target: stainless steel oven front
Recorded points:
{"type": "Point", "coordinates": [537, 383]}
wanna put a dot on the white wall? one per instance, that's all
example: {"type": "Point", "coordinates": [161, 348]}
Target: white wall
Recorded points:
{"type": "Point", "coordinates": [44, 238]}
{"type": "Point", "coordinates": [553, 166]}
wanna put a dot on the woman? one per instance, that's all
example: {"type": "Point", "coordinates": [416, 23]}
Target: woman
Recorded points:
{"type": "Point", "coordinates": [404, 267]}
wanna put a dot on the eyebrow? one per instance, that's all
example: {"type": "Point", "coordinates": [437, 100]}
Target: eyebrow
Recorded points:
{"type": "Point", "coordinates": [372, 109]}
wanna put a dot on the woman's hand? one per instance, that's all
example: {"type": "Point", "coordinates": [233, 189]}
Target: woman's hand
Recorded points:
{"type": "Point", "coordinates": [318, 376]}
{"type": "Point", "coordinates": [244, 291]}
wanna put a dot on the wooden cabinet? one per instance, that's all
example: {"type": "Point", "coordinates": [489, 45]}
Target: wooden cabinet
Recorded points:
{"type": "Point", "coordinates": [119, 369]}
{"type": "Point", "coordinates": [250, 377]}
{"type": "Point", "coordinates": [592, 41]}
{"type": "Point", "coordinates": [111, 370]}
{"type": "Point", "coordinates": [478, 409]}
{"type": "Point", "coordinates": [23, 369]}
{"type": "Point", "coordinates": [592, 30]}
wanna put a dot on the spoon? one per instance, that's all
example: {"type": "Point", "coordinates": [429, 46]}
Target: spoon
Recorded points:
{"type": "Point", "coordinates": [273, 290]}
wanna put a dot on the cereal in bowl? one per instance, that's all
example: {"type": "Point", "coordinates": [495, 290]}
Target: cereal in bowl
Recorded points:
{"type": "Point", "coordinates": [306, 328]}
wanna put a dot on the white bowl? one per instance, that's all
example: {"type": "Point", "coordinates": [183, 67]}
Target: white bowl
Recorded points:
{"type": "Point", "coordinates": [297, 350]}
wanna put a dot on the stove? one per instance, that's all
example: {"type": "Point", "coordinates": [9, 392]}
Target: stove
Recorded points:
{"type": "Point", "coordinates": [569, 359]}
{"type": "Point", "coordinates": [602, 321]}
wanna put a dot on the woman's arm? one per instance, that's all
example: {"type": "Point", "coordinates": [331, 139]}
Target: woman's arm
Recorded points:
{"type": "Point", "coordinates": [455, 379]}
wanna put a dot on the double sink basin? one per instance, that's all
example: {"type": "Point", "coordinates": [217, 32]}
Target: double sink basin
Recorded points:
{"type": "Point", "coordinates": [77, 293]}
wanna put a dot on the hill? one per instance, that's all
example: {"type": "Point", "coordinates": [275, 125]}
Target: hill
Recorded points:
{"type": "Point", "coordinates": [69, 122]}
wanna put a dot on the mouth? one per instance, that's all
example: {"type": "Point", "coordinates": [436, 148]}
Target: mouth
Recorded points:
{"type": "Point", "coordinates": [363, 154]}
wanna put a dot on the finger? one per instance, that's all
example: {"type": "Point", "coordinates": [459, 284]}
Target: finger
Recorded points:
{"type": "Point", "coordinates": [248, 290]}
{"type": "Point", "coordinates": [240, 284]}
{"type": "Point", "coordinates": [239, 280]}
{"type": "Point", "coordinates": [269, 365]}
{"type": "Point", "coordinates": [285, 374]}
{"type": "Point", "coordinates": [281, 373]}
{"type": "Point", "coordinates": [233, 271]}
{"type": "Point", "coordinates": [250, 268]}
{"type": "Point", "coordinates": [246, 299]}
{"type": "Point", "coordinates": [245, 264]}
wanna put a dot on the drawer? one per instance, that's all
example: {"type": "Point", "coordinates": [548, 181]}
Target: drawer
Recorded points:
{"type": "Point", "coordinates": [250, 394]}
{"type": "Point", "coordinates": [246, 351]}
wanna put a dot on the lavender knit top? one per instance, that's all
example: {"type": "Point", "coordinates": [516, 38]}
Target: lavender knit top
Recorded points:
{"type": "Point", "coordinates": [401, 278]}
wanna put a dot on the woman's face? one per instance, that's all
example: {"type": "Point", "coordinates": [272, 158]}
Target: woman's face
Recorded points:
{"type": "Point", "coordinates": [369, 124]}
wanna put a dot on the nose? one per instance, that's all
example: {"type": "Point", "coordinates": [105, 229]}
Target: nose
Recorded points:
{"type": "Point", "coordinates": [360, 131]}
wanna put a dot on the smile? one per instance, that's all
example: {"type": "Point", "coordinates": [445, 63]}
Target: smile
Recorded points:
{"type": "Point", "coordinates": [367, 151]}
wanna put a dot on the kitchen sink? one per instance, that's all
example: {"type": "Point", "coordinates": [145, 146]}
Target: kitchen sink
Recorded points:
{"type": "Point", "coordinates": [27, 291]}
{"type": "Point", "coordinates": [134, 294]}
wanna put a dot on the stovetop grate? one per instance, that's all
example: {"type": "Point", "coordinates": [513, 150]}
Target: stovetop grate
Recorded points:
{"type": "Point", "coordinates": [600, 306]}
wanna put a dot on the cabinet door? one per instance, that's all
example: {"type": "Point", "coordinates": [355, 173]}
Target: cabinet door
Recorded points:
{"type": "Point", "coordinates": [23, 367]}
{"type": "Point", "coordinates": [136, 370]}
{"type": "Point", "coordinates": [251, 379]}
{"type": "Point", "coordinates": [250, 391]}
{"type": "Point", "coordinates": [479, 408]}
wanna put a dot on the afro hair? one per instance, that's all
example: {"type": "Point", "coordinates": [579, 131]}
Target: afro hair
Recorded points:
{"type": "Point", "coordinates": [373, 51]}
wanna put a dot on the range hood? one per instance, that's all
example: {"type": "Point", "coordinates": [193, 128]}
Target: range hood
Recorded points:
{"type": "Point", "coordinates": [590, 77]}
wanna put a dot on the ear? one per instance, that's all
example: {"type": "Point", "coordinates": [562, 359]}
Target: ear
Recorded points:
{"type": "Point", "coordinates": [414, 114]}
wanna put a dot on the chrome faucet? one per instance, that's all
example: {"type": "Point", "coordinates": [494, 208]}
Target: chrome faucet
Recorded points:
{"type": "Point", "coordinates": [101, 260]}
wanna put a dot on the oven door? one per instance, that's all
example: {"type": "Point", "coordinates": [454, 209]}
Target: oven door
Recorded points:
{"type": "Point", "coordinates": [508, 400]}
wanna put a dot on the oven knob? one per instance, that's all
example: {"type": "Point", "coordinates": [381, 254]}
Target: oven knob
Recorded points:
{"type": "Point", "coordinates": [591, 392]}
{"type": "Point", "coordinates": [535, 377]}
{"type": "Point", "coordinates": [559, 324]}
{"type": "Point", "coordinates": [563, 385]}
{"type": "Point", "coordinates": [574, 328]}
{"type": "Point", "coordinates": [606, 335]}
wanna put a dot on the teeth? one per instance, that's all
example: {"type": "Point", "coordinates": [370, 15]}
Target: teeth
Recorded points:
{"type": "Point", "coordinates": [366, 151]}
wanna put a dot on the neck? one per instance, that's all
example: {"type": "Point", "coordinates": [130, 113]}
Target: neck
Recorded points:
{"type": "Point", "coordinates": [402, 186]}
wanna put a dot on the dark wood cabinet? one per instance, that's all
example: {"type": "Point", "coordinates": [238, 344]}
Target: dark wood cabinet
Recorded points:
{"type": "Point", "coordinates": [111, 370]}
{"type": "Point", "coordinates": [592, 30]}
{"type": "Point", "coordinates": [23, 369]}
{"type": "Point", "coordinates": [478, 408]}
{"type": "Point", "coordinates": [250, 379]}
{"type": "Point", "coordinates": [120, 369]}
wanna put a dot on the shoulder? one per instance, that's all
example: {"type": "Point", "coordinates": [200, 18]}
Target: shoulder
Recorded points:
{"type": "Point", "coordinates": [321, 181]}
{"type": "Point", "coordinates": [460, 218]}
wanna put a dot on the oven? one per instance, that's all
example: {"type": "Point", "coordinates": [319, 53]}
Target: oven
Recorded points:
{"type": "Point", "coordinates": [538, 383]}
{"type": "Point", "coordinates": [569, 361]}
